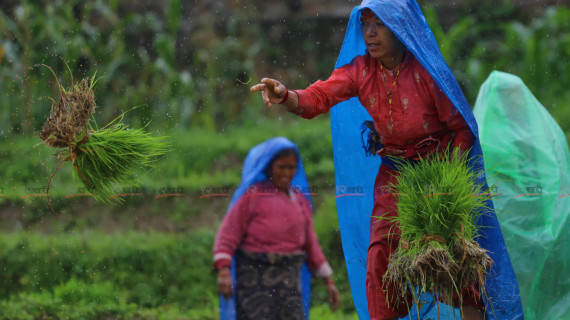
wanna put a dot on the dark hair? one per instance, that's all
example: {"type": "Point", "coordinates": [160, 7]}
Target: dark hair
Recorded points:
{"type": "Point", "coordinates": [283, 153]}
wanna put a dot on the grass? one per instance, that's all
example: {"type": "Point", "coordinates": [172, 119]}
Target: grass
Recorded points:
{"type": "Point", "coordinates": [102, 157]}
{"type": "Point", "coordinates": [112, 156]}
{"type": "Point", "coordinates": [439, 202]}
{"type": "Point", "coordinates": [97, 255]}
{"type": "Point", "coordinates": [198, 158]}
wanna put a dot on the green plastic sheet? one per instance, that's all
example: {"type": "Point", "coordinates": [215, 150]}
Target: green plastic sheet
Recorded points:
{"type": "Point", "coordinates": [527, 155]}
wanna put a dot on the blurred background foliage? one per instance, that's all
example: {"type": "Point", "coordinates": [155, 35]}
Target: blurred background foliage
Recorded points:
{"type": "Point", "coordinates": [195, 71]}
{"type": "Point", "coordinates": [188, 66]}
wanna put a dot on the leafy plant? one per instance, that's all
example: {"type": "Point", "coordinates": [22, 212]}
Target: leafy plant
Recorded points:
{"type": "Point", "coordinates": [101, 157]}
{"type": "Point", "coordinates": [111, 155]}
{"type": "Point", "coordinates": [439, 202]}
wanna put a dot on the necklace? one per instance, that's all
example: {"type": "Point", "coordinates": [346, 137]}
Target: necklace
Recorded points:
{"type": "Point", "coordinates": [389, 94]}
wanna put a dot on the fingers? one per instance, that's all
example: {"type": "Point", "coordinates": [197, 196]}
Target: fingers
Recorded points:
{"type": "Point", "coordinates": [226, 290]}
{"type": "Point", "coordinates": [272, 91]}
{"type": "Point", "coordinates": [228, 293]}
{"type": "Point", "coordinates": [265, 98]}
{"type": "Point", "coordinates": [264, 89]}
{"type": "Point", "coordinates": [277, 87]}
{"type": "Point", "coordinates": [257, 87]}
{"type": "Point", "coordinates": [270, 82]}
{"type": "Point", "coordinates": [225, 284]}
{"type": "Point", "coordinates": [334, 299]}
{"type": "Point", "coordinates": [266, 84]}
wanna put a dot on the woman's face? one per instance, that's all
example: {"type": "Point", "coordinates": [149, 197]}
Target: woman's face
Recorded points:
{"type": "Point", "coordinates": [380, 41]}
{"type": "Point", "coordinates": [283, 170]}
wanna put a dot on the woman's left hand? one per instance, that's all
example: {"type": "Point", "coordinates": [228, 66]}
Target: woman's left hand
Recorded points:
{"type": "Point", "coordinates": [225, 283]}
{"type": "Point", "coordinates": [332, 291]}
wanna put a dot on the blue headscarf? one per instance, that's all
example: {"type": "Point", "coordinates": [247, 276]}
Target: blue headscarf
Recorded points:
{"type": "Point", "coordinates": [254, 168]}
{"type": "Point", "coordinates": [353, 169]}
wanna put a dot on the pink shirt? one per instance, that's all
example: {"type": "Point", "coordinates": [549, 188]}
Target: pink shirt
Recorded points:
{"type": "Point", "coordinates": [405, 103]}
{"type": "Point", "coordinates": [267, 220]}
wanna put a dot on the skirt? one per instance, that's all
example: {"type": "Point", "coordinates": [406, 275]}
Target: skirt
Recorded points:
{"type": "Point", "coordinates": [268, 286]}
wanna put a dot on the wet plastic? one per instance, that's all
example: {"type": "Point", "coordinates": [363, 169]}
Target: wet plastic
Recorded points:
{"type": "Point", "coordinates": [530, 164]}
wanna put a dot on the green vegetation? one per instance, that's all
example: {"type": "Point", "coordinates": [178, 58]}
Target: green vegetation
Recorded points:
{"type": "Point", "coordinates": [150, 256]}
{"type": "Point", "coordinates": [93, 275]}
{"type": "Point", "coordinates": [111, 155]}
{"type": "Point", "coordinates": [196, 159]}
{"type": "Point", "coordinates": [439, 203]}
{"type": "Point", "coordinates": [93, 258]}
{"type": "Point", "coordinates": [206, 85]}
{"type": "Point", "coordinates": [537, 51]}
{"type": "Point", "coordinates": [102, 157]}
{"type": "Point", "coordinates": [80, 274]}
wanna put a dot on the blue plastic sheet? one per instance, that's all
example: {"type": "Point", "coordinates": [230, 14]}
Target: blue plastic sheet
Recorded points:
{"type": "Point", "coordinates": [258, 158]}
{"type": "Point", "coordinates": [354, 170]}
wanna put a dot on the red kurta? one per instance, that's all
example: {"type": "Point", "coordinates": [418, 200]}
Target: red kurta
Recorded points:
{"type": "Point", "coordinates": [405, 103]}
{"type": "Point", "coordinates": [267, 220]}
{"type": "Point", "coordinates": [408, 109]}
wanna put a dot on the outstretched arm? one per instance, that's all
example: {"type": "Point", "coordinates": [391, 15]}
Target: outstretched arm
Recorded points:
{"type": "Point", "coordinates": [274, 91]}
{"type": "Point", "coordinates": [318, 98]}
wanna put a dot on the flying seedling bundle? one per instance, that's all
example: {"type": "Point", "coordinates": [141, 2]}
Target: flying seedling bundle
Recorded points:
{"type": "Point", "coordinates": [103, 158]}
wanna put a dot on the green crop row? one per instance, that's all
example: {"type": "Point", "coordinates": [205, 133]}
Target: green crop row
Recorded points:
{"type": "Point", "coordinates": [152, 269]}
{"type": "Point", "coordinates": [132, 275]}
{"type": "Point", "coordinates": [197, 159]}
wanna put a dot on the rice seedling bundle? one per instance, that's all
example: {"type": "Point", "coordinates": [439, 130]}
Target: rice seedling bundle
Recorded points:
{"type": "Point", "coordinates": [439, 202]}
{"type": "Point", "coordinates": [103, 158]}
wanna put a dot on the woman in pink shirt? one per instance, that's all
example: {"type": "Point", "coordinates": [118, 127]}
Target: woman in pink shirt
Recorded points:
{"type": "Point", "coordinates": [269, 230]}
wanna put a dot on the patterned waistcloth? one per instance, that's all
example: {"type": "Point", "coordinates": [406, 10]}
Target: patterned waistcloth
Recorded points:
{"type": "Point", "coordinates": [268, 286]}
